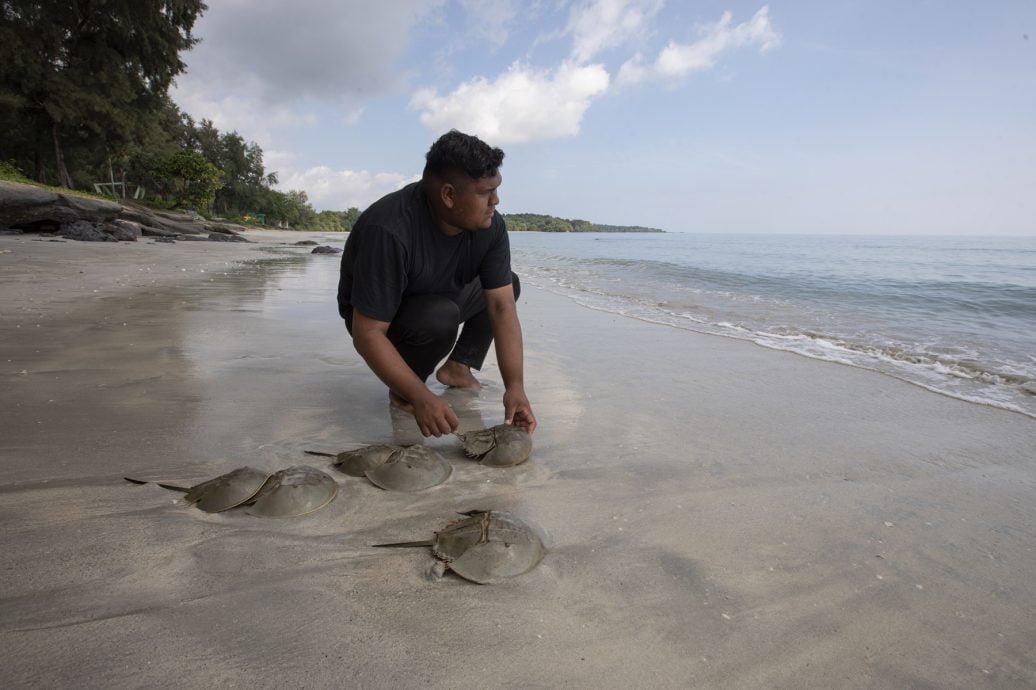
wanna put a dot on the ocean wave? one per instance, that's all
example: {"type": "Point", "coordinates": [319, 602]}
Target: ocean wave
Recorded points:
{"type": "Point", "coordinates": [1009, 385]}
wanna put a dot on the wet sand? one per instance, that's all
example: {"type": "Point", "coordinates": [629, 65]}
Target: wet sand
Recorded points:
{"type": "Point", "coordinates": [717, 514]}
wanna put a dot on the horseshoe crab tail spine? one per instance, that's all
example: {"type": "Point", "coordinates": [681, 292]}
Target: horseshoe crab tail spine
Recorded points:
{"type": "Point", "coordinates": [171, 487]}
{"type": "Point", "coordinates": [174, 487]}
{"type": "Point", "coordinates": [317, 452]}
{"type": "Point", "coordinates": [403, 544]}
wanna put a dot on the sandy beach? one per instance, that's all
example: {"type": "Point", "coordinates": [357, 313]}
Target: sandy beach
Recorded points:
{"type": "Point", "coordinates": [718, 515]}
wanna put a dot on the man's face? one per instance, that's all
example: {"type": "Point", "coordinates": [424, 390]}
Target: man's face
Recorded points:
{"type": "Point", "coordinates": [474, 202]}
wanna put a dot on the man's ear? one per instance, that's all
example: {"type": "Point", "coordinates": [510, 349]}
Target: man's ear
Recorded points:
{"type": "Point", "coordinates": [447, 194]}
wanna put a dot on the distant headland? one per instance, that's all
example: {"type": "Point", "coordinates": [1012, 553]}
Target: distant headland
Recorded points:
{"type": "Point", "coordinates": [535, 222]}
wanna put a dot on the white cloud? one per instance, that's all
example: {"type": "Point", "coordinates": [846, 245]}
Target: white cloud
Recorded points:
{"type": "Point", "coordinates": [598, 25]}
{"type": "Point", "coordinates": [522, 104]}
{"type": "Point", "coordinates": [278, 51]}
{"type": "Point", "coordinates": [525, 103]}
{"type": "Point", "coordinates": [678, 59]}
{"type": "Point", "coordinates": [339, 190]}
{"type": "Point", "coordinates": [239, 113]}
{"type": "Point", "coordinates": [261, 63]}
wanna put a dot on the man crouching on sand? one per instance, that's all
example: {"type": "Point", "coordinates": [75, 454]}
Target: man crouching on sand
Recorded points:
{"type": "Point", "coordinates": [421, 261]}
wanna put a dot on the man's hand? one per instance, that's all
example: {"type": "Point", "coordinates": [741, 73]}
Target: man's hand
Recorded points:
{"type": "Point", "coordinates": [518, 411]}
{"type": "Point", "coordinates": [370, 337]}
{"type": "Point", "coordinates": [507, 333]}
{"type": "Point", "coordinates": [434, 415]}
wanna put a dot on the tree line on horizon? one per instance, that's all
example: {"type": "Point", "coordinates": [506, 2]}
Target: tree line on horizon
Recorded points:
{"type": "Point", "coordinates": [537, 222]}
{"type": "Point", "coordinates": [84, 100]}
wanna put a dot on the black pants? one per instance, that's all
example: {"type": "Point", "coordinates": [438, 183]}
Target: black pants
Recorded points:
{"type": "Point", "coordinates": [425, 328]}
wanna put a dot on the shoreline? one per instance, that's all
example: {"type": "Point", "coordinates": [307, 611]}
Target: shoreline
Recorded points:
{"type": "Point", "coordinates": [981, 402]}
{"type": "Point", "coordinates": [726, 515]}
{"type": "Point", "coordinates": [129, 265]}
{"type": "Point", "coordinates": [947, 333]}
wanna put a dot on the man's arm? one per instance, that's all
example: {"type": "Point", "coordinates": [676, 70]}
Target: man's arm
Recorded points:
{"type": "Point", "coordinates": [370, 337]}
{"type": "Point", "coordinates": [507, 334]}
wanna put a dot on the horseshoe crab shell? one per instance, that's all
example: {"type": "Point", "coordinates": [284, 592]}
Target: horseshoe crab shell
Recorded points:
{"type": "Point", "coordinates": [227, 490]}
{"type": "Point", "coordinates": [357, 461]}
{"type": "Point", "coordinates": [486, 547]}
{"type": "Point", "coordinates": [503, 445]}
{"type": "Point", "coordinates": [221, 493]}
{"type": "Point", "coordinates": [411, 468]}
{"type": "Point", "coordinates": [295, 491]}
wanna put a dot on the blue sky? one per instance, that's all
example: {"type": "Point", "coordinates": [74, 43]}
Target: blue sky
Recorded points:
{"type": "Point", "coordinates": [843, 116]}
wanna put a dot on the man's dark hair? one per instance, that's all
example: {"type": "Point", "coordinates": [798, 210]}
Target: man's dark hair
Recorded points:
{"type": "Point", "coordinates": [458, 151]}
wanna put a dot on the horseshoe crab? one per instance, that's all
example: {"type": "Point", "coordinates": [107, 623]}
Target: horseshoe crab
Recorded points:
{"type": "Point", "coordinates": [503, 445]}
{"type": "Point", "coordinates": [485, 547]}
{"type": "Point", "coordinates": [355, 463]}
{"type": "Point", "coordinates": [410, 468]}
{"type": "Point", "coordinates": [223, 492]}
{"type": "Point", "coordinates": [294, 491]}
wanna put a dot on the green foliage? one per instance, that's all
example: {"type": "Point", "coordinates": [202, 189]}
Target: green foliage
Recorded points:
{"type": "Point", "coordinates": [79, 81]}
{"type": "Point", "coordinates": [245, 182]}
{"type": "Point", "coordinates": [540, 223]}
{"type": "Point", "coordinates": [194, 178]}
{"type": "Point", "coordinates": [537, 222]}
{"type": "Point", "coordinates": [194, 164]}
{"type": "Point", "coordinates": [10, 172]}
{"type": "Point", "coordinates": [335, 221]}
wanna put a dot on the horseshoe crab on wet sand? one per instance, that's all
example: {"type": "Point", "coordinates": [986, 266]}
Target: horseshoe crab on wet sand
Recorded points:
{"type": "Point", "coordinates": [356, 462]}
{"type": "Point", "coordinates": [220, 493]}
{"type": "Point", "coordinates": [503, 445]}
{"type": "Point", "coordinates": [288, 493]}
{"type": "Point", "coordinates": [394, 468]}
{"type": "Point", "coordinates": [485, 547]}
{"type": "Point", "coordinates": [293, 492]}
{"type": "Point", "coordinates": [411, 468]}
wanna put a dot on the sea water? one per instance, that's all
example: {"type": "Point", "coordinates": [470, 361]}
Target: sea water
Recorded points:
{"type": "Point", "coordinates": [956, 315]}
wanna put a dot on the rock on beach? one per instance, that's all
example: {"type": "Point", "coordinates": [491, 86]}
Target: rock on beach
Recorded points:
{"type": "Point", "coordinates": [30, 209]}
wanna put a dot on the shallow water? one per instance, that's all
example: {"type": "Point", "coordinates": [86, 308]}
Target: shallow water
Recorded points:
{"type": "Point", "coordinates": [699, 534]}
{"type": "Point", "coordinates": [956, 315]}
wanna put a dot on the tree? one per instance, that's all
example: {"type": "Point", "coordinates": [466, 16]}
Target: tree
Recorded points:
{"type": "Point", "coordinates": [78, 74]}
{"type": "Point", "coordinates": [195, 179]}
{"type": "Point", "coordinates": [156, 141]}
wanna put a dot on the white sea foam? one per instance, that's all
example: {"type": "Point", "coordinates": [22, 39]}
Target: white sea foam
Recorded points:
{"type": "Point", "coordinates": [962, 323]}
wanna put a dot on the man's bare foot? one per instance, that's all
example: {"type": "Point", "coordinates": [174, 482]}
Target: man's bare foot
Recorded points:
{"type": "Point", "coordinates": [401, 403]}
{"type": "Point", "coordinates": [457, 375]}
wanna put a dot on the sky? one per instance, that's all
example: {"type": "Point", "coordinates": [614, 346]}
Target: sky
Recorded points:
{"type": "Point", "coordinates": [833, 117]}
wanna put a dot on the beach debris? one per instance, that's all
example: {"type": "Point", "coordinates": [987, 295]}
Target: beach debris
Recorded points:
{"type": "Point", "coordinates": [485, 547]}
{"type": "Point", "coordinates": [220, 493]}
{"type": "Point", "coordinates": [293, 492]}
{"type": "Point", "coordinates": [410, 468]}
{"type": "Point", "coordinates": [355, 463]}
{"type": "Point", "coordinates": [503, 445]}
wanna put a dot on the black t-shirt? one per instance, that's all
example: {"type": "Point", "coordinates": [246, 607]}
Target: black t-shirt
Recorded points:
{"type": "Point", "coordinates": [396, 250]}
